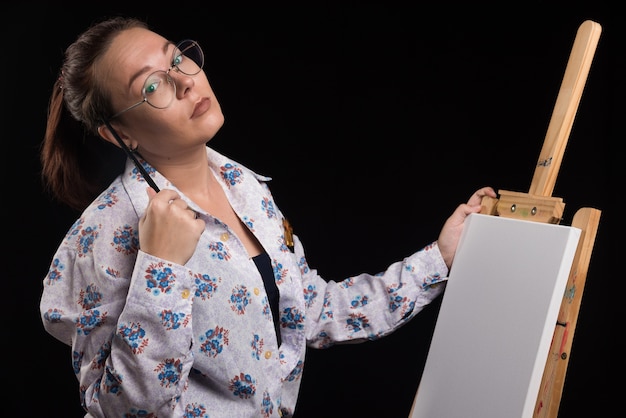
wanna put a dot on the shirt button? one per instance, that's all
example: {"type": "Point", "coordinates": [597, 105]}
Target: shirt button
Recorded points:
{"type": "Point", "coordinates": [268, 354]}
{"type": "Point", "coordinates": [224, 236]}
{"type": "Point", "coordinates": [256, 291]}
{"type": "Point", "coordinates": [185, 293]}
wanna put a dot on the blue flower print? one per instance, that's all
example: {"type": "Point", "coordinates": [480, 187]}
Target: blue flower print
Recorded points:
{"type": "Point", "coordinates": [75, 228]}
{"type": "Point", "coordinates": [213, 341]}
{"type": "Point", "coordinates": [53, 315]}
{"type": "Point", "coordinates": [310, 293]}
{"type": "Point", "coordinates": [169, 372]}
{"type": "Point", "coordinates": [103, 353]}
{"type": "Point", "coordinates": [257, 347]}
{"type": "Point", "coordinates": [282, 246]}
{"type": "Point", "coordinates": [347, 282]}
{"type": "Point", "coordinates": [89, 320]}
{"type": "Point", "coordinates": [205, 285]}
{"type": "Point", "coordinates": [304, 266]}
{"type": "Point", "coordinates": [296, 372]}
{"type": "Point", "coordinates": [357, 322]}
{"type": "Point", "coordinates": [267, 206]}
{"type": "Point", "coordinates": [160, 279]}
{"type": "Point", "coordinates": [279, 272]}
{"type": "Point", "coordinates": [54, 273]}
{"type": "Point", "coordinates": [195, 411]}
{"type": "Point", "coordinates": [231, 174]}
{"type": "Point", "coordinates": [125, 240]}
{"type": "Point", "coordinates": [249, 222]}
{"type": "Point", "coordinates": [267, 406]}
{"type": "Point", "coordinates": [267, 312]}
{"type": "Point", "coordinates": [243, 386]}
{"type": "Point", "coordinates": [431, 280]}
{"type": "Point", "coordinates": [112, 382]}
{"type": "Point", "coordinates": [77, 360]}
{"type": "Point", "coordinates": [239, 299]}
{"type": "Point", "coordinates": [324, 340]}
{"type": "Point", "coordinates": [173, 320]}
{"type": "Point", "coordinates": [112, 273]}
{"type": "Point", "coordinates": [328, 312]}
{"type": "Point", "coordinates": [90, 297]}
{"type": "Point", "coordinates": [107, 199]}
{"type": "Point", "coordinates": [292, 318]}
{"type": "Point", "coordinates": [359, 301]}
{"type": "Point", "coordinates": [219, 251]}
{"type": "Point", "coordinates": [86, 239]}
{"type": "Point", "coordinates": [397, 301]}
{"type": "Point", "coordinates": [134, 336]}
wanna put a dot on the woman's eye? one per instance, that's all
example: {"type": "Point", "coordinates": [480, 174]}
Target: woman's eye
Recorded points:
{"type": "Point", "coordinates": [152, 86]}
{"type": "Point", "coordinates": [177, 60]}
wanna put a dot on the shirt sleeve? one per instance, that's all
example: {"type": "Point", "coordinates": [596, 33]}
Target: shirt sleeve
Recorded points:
{"type": "Point", "coordinates": [369, 306]}
{"type": "Point", "coordinates": [127, 319]}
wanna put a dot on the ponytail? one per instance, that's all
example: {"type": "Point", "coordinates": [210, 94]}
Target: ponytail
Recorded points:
{"type": "Point", "coordinates": [76, 163]}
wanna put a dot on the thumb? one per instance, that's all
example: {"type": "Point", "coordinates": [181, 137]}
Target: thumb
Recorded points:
{"type": "Point", "coordinates": [151, 192]}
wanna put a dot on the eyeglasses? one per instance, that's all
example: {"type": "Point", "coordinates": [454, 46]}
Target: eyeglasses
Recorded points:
{"type": "Point", "coordinates": [159, 89]}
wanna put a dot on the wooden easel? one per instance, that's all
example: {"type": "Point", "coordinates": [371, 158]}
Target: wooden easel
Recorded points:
{"type": "Point", "coordinates": [539, 205]}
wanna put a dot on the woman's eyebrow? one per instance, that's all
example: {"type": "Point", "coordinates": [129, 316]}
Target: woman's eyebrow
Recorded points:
{"type": "Point", "coordinates": [145, 68]}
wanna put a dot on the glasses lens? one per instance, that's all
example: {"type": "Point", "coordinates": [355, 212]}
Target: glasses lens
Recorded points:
{"type": "Point", "coordinates": [188, 57]}
{"type": "Point", "coordinates": [159, 89]}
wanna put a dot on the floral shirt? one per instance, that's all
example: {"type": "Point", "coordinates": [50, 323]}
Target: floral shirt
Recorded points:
{"type": "Point", "coordinates": [152, 338]}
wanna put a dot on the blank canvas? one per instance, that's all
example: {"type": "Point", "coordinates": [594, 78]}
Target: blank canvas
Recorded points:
{"type": "Point", "coordinates": [497, 318]}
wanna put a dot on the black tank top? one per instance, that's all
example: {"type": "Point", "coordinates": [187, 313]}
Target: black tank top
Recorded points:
{"type": "Point", "coordinates": [262, 262]}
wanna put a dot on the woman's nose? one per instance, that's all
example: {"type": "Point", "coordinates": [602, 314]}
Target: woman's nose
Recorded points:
{"type": "Point", "coordinates": [182, 81]}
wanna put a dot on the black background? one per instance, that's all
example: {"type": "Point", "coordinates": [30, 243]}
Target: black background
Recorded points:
{"type": "Point", "coordinates": [375, 121]}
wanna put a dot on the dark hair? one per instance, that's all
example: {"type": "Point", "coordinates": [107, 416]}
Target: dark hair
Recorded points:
{"type": "Point", "coordinates": [77, 104]}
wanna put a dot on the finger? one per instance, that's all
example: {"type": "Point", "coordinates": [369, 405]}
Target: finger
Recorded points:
{"type": "Point", "coordinates": [194, 214]}
{"type": "Point", "coordinates": [477, 197]}
{"type": "Point", "coordinates": [166, 196]}
{"type": "Point", "coordinates": [151, 193]}
{"type": "Point", "coordinates": [180, 203]}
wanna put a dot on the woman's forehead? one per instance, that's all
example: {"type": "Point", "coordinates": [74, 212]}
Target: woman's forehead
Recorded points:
{"type": "Point", "coordinates": [133, 52]}
{"type": "Point", "coordinates": [137, 44]}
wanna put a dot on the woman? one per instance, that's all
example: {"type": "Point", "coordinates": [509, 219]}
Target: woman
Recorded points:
{"type": "Point", "coordinates": [180, 288]}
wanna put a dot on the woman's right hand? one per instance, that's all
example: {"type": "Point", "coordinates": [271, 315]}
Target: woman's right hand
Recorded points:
{"type": "Point", "coordinates": [169, 228]}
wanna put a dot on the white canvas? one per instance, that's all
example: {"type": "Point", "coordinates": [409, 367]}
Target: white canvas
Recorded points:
{"type": "Point", "coordinates": [496, 320]}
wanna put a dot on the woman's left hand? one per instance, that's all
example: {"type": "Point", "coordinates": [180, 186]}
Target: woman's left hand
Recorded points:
{"type": "Point", "coordinates": [451, 232]}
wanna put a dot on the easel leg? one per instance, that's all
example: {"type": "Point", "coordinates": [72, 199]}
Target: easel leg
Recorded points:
{"type": "Point", "coordinates": [551, 389]}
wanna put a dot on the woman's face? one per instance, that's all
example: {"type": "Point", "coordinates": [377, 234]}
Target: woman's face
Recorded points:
{"type": "Point", "coordinates": [192, 118]}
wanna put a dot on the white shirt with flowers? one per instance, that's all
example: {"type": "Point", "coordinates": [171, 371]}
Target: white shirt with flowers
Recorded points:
{"type": "Point", "coordinates": [152, 338]}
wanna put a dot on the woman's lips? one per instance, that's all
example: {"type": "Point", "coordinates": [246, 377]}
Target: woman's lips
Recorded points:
{"type": "Point", "coordinates": [201, 107]}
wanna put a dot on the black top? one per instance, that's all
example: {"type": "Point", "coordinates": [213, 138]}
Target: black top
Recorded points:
{"type": "Point", "coordinates": [264, 266]}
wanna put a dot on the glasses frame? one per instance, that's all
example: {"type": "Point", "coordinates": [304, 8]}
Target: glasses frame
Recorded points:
{"type": "Point", "coordinates": [168, 78]}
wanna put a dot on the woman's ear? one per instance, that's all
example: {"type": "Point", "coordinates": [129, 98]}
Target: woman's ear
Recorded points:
{"type": "Point", "coordinates": [105, 133]}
